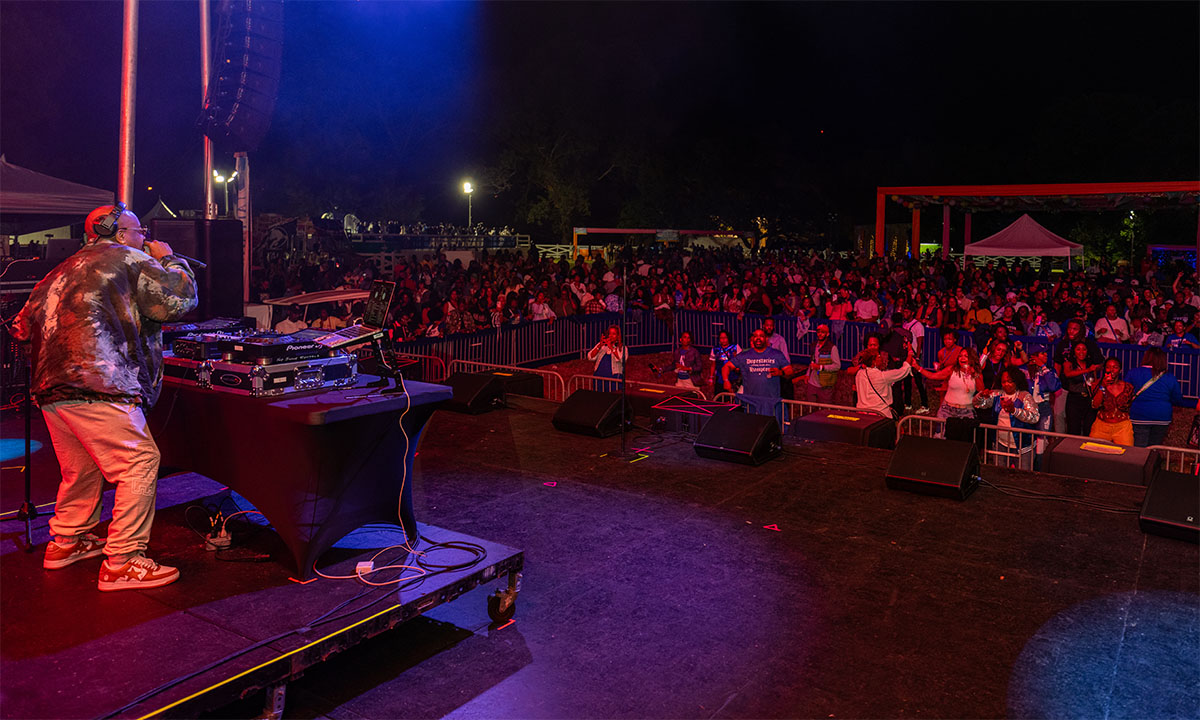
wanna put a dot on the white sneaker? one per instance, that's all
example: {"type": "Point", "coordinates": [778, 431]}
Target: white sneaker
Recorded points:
{"type": "Point", "coordinates": [140, 573]}
{"type": "Point", "coordinates": [60, 556]}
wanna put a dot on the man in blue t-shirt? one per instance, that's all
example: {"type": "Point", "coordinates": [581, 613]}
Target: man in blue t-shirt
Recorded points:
{"type": "Point", "coordinates": [688, 362]}
{"type": "Point", "coordinates": [1180, 338]}
{"type": "Point", "coordinates": [760, 366]}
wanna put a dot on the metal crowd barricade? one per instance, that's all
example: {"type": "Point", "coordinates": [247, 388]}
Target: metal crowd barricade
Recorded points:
{"type": "Point", "coordinates": [603, 384]}
{"type": "Point", "coordinates": [553, 385]}
{"type": "Point", "coordinates": [1023, 445]}
{"type": "Point", "coordinates": [542, 341]}
{"type": "Point", "coordinates": [433, 368]}
{"type": "Point", "coordinates": [1185, 365]}
{"type": "Point", "coordinates": [592, 382]}
{"type": "Point", "coordinates": [791, 409]}
{"type": "Point", "coordinates": [1177, 459]}
{"type": "Point", "coordinates": [920, 426]}
{"type": "Point", "coordinates": [991, 450]}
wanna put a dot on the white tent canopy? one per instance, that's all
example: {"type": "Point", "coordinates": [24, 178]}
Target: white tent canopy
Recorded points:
{"type": "Point", "coordinates": [28, 192]}
{"type": "Point", "coordinates": [1025, 238]}
{"type": "Point", "coordinates": [31, 201]}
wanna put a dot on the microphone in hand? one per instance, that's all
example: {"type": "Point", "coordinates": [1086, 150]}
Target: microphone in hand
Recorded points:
{"type": "Point", "coordinates": [191, 261]}
{"type": "Point", "coordinates": [158, 250]}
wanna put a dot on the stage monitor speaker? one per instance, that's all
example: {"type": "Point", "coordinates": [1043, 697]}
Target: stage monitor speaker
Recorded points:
{"type": "Point", "coordinates": [1093, 459]}
{"type": "Point", "coordinates": [1172, 507]}
{"type": "Point", "coordinates": [847, 425]}
{"type": "Point", "coordinates": [591, 412]}
{"type": "Point", "coordinates": [218, 243]}
{"type": "Point", "coordinates": [739, 437]}
{"type": "Point", "coordinates": [930, 466]}
{"type": "Point", "coordinates": [515, 382]}
{"type": "Point", "coordinates": [474, 394]}
{"type": "Point", "coordinates": [248, 54]}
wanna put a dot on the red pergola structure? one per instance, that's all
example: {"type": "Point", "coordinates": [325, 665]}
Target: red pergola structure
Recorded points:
{"type": "Point", "coordinates": [1091, 197]}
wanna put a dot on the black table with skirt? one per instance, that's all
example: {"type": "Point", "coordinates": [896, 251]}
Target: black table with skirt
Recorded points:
{"type": "Point", "coordinates": [318, 465]}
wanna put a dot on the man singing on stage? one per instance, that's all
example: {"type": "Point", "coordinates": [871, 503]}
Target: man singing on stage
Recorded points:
{"type": "Point", "coordinates": [95, 324]}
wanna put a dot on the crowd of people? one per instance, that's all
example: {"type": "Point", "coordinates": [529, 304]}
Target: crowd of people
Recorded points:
{"type": "Point", "coordinates": [1068, 313]}
{"type": "Point", "coordinates": [1066, 387]}
{"type": "Point", "coordinates": [1149, 305]}
{"type": "Point", "coordinates": [391, 227]}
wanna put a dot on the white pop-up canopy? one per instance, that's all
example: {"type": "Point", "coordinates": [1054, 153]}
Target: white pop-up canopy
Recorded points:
{"type": "Point", "coordinates": [31, 201]}
{"type": "Point", "coordinates": [1026, 238]}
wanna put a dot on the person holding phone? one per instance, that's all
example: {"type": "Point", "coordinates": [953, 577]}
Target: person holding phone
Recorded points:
{"type": "Point", "coordinates": [1011, 406]}
{"type": "Point", "coordinates": [1111, 398]}
{"type": "Point", "coordinates": [1079, 376]}
{"type": "Point", "coordinates": [609, 354]}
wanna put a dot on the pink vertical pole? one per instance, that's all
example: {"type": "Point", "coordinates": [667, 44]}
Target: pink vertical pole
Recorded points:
{"type": "Point", "coordinates": [210, 205]}
{"type": "Point", "coordinates": [915, 240]}
{"type": "Point", "coordinates": [945, 232]}
{"type": "Point", "coordinates": [129, 56]}
{"type": "Point", "coordinates": [879, 239]}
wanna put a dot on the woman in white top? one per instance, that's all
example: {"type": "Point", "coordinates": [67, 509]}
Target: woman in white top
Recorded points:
{"type": "Point", "coordinates": [610, 355]}
{"type": "Point", "coordinates": [963, 382]}
{"type": "Point", "coordinates": [540, 309]}
{"type": "Point", "coordinates": [734, 303]}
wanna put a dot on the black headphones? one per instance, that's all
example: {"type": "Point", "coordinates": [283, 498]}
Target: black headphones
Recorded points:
{"type": "Point", "coordinates": [106, 226]}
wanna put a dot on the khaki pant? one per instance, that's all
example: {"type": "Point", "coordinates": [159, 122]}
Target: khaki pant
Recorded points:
{"type": "Point", "coordinates": [1119, 433]}
{"type": "Point", "coordinates": [98, 441]}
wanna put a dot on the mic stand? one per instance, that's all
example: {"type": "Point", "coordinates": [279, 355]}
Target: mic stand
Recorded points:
{"type": "Point", "coordinates": [625, 347]}
{"type": "Point", "coordinates": [626, 416]}
{"type": "Point", "coordinates": [384, 381]}
{"type": "Point", "coordinates": [28, 511]}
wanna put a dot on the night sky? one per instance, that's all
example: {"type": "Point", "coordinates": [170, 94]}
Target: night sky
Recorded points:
{"type": "Point", "coordinates": [673, 112]}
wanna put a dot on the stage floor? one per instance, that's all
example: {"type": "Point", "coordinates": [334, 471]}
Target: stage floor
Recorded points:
{"type": "Point", "coordinates": [237, 622]}
{"type": "Point", "coordinates": [674, 586]}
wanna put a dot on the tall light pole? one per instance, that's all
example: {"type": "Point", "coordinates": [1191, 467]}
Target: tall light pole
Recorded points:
{"type": "Point", "coordinates": [468, 188]}
{"type": "Point", "coordinates": [218, 177]}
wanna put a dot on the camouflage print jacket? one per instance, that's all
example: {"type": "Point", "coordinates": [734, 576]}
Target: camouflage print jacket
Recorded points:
{"type": "Point", "coordinates": [95, 323]}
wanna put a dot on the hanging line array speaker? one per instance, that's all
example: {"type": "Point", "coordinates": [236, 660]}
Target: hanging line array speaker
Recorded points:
{"type": "Point", "coordinates": [246, 60]}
